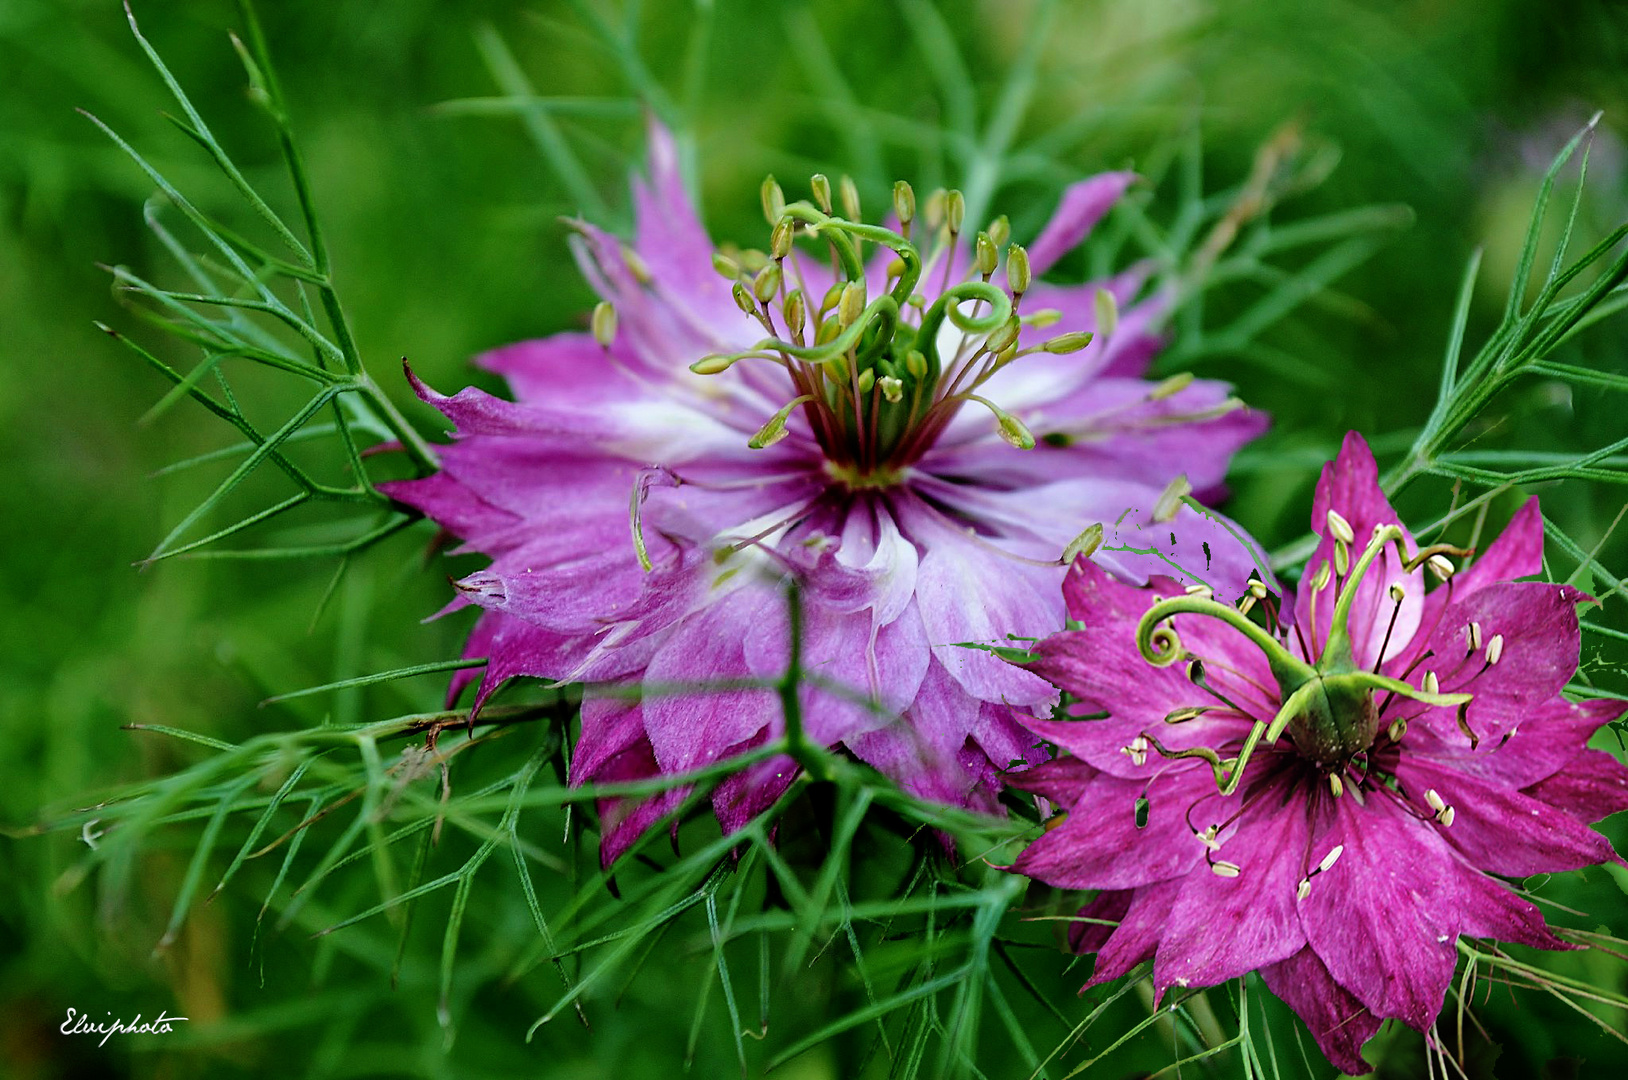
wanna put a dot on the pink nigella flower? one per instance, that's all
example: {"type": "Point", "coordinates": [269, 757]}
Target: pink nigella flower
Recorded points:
{"type": "Point", "coordinates": [1332, 804]}
{"type": "Point", "coordinates": [897, 431]}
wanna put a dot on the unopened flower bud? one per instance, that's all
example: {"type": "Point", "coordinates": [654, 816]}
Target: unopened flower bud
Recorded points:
{"type": "Point", "coordinates": [727, 268]}
{"type": "Point", "coordinates": [1000, 231]}
{"type": "Point", "coordinates": [774, 200]}
{"type": "Point", "coordinates": [1107, 312]}
{"type": "Point", "coordinates": [820, 185]}
{"type": "Point", "coordinates": [987, 255]}
{"type": "Point", "coordinates": [850, 199]}
{"type": "Point", "coordinates": [904, 202]}
{"type": "Point", "coordinates": [767, 283]}
{"type": "Point", "coordinates": [892, 389]}
{"type": "Point", "coordinates": [852, 304]}
{"type": "Point", "coordinates": [780, 238]}
{"type": "Point", "coordinates": [1068, 343]}
{"type": "Point", "coordinates": [1017, 270]}
{"type": "Point", "coordinates": [1171, 387]}
{"type": "Point", "coordinates": [955, 211]}
{"type": "Point", "coordinates": [1085, 544]}
{"type": "Point", "coordinates": [604, 323]}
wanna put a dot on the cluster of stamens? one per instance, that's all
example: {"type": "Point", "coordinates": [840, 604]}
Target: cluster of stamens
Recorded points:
{"type": "Point", "coordinates": [1327, 704]}
{"type": "Point", "coordinates": [868, 371]}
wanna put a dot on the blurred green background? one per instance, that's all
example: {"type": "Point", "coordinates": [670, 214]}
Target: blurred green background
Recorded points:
{"type": "Point", "coordinates": [444, 234]}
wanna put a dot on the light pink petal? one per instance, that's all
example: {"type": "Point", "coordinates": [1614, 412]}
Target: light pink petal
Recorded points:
{"type": "Point", "coordinates": [1082, 206]}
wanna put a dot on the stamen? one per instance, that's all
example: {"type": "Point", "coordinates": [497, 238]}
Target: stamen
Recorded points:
{"type": "Point", "coordinates": [1495, 648]}
{"type": "Point", "coordinates": [1137, 751]}
{"type": "Point", "coordinates": [1331, 858]}
{"type": "Point", "coordinates": [1303, 890]}
{"type": "Point", "coordinates": [604, 324]}
{"type": "Point", "coordinates": [1257, 588]}
{"type": "Point", "coordinates": [1226, 869]}
{"type": "Point", "coordinates": [1087, 543]}
{"type": "Point", "coordinates": [1340, 528]}
{"type": "Point", "coordinates": [1441, 566]}
{"type": "Point", "coordinates": [1203, 591]}
{"type": "Point", "coordinates": [1336, 786]}
{"type": "Point", "coordinates": [1431, 684]}
{"type": "Point", "coordinates": [1398, 593]}
{"type": "Point", "coordinates": [1342, 558]}
{"type": "Point", "coordinates": [1397, 729]}
{"type": "Point", "coordinates": [1438, 806]}
{"type": "Point", "coordinates": [1170, 499]}
{"type": "Point", "coordinates": [1475, 637]}
{"type": "Point", "coordinates": [1106, 309]}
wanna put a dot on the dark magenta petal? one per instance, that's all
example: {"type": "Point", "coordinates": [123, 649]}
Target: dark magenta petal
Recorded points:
{"type": "Point", "coordinates": [1336, 1019]}
{"type": "Point", "coordinates": [1384, 917]}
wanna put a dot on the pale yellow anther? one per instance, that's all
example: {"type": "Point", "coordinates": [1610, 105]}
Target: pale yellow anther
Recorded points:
{"type": "Point", "coordinates": [1495, 648]}
{"type": "Point", "coordinates": [1342, 558]}
{"type": "Point", "coordinates": [1475, 637]}
{"type": "Point", "coordinates": [1171, 387]}
{"type": "Point", "coordinates": [892, 389]}
{"type": "Point", "coordinates": [1257, 588]}
{"type": "Point", "coordinates": [1320, 580]}
{"type": "Point", "coordinates": [1226, 869]}
{"type": "Point", "coordinates": [1340, 528]}
{"type": "Point", "coordinates": [1106, 309]}
{"type": "Point", "coordinates": [1432, 685]}
{"type": "Point", "coordinates": [1208, 838]}
{"type": "Point", "coordinates": [1331, 858]}
{"type": "Point", "coordinates": [850, 198]}
{"type": "Point", "coordinates": [1398, 729]}
{"type": "Point", "coordinates": [1137, 751]}
{"type": "Point", "coordinates": [1202, 591]}
{"type": "Point", "coordinates": [1441, 566]}
{"type": "Point", "coordinates": [1336, 786]}
{"type": "Point", "coordinates": [1446, 817]}
{"type": "Point", "coordinates": [1170, 499]}
{"type": "Point", "coordinates": [1302, 890]}
{"type": "Point", "coordinates": [604, 324]}
{"type": "Point", "coordinates": [1087, 543]}
{"type": "Point", "coordinates": [1434, 800]}
{"type": "Point", "coordinates": [1398, 594]}
{"type": "Point", "coordinates": [637, 266]}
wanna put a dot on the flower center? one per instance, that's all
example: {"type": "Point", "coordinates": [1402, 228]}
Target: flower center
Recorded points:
{"type": "Point", "coordinates": [1326, 702]}
{"type": "Point", "coordinates": [879, 378]}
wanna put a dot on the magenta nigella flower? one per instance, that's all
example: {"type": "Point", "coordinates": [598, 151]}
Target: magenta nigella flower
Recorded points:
{"type": "Point", "coordinates": [898, 432]}
{"type": "Point", "coordinates": [1336, 803]}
